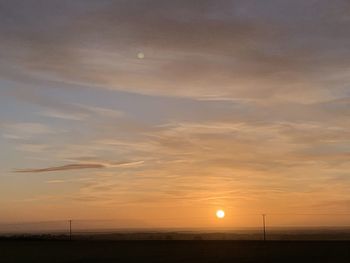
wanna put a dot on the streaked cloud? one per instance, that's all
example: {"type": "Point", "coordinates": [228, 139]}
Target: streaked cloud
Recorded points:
{"type": "Point", "coordinates": [79, 166]}
{"type": "Point", "coordinates": [27, 128]}
{"type": "Point", "coordinates": [63, 115]}
{"type": "Point", "coordinates": [33, 148]}
{"type": "Point", "coordinates": [244, 49]}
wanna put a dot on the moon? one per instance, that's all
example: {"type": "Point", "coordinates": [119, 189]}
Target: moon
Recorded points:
{"type": "Point", "coordinates": [220, 214]}
{"type": "Point", "coordinates": [140, 55]}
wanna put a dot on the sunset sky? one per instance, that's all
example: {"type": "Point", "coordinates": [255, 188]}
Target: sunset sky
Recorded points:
{"type": "Point", "coordinates": [157, 113]}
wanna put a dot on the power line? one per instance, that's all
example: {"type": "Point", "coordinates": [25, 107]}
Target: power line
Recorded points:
{"type": "Point", "coordinates": [70, 230]}
{"type": "Point", "coordinates": [264, 226]}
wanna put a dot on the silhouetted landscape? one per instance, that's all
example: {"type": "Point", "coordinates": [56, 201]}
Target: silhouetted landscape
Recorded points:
{"type": "Point", "coordinates": [286, 245]}
{"type": "Point", "coordinates": [174, 251]}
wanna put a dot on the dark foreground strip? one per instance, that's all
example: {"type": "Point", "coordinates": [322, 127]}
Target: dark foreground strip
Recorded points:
{"type": "Point", "coordinates": [175, 251]}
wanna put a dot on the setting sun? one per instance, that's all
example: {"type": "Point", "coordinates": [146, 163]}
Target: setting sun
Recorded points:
{"type": "Point", "coordinates": [220, 214]}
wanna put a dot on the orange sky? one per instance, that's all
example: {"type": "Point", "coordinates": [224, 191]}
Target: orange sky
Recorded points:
{"type": "Point", "coordinates": [158, 113]}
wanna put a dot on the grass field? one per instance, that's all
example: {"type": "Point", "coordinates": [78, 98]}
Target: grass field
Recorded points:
{"type": "Point", "coordinates": [174, 251]}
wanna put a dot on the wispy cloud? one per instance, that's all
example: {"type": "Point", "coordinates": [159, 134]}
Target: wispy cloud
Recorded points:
{"type": "Point", "coordinates": [27, 129]}
{"type": "Point", "coordinates": [79, 166]}
{"type": "Point", "coordinates": [254, 51]}
{"type": "Point", "coordinates": [59, 114]}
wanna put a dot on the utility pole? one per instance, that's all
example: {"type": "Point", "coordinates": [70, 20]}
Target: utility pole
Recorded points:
{"type": "Point", "coordinates": [70, 230]}
{"type": "Point", "coordinates": [264, 226]}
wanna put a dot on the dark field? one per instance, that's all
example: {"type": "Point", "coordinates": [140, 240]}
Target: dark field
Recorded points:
{"type": "Point", "coordinates": [174, 251]}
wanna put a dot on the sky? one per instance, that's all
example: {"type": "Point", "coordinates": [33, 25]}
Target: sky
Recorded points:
{"type": "Point", "coordinates": [157, 113]}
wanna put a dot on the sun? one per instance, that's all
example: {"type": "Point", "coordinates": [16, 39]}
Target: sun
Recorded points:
{"type": "Point", "coordinates": [220, 213]}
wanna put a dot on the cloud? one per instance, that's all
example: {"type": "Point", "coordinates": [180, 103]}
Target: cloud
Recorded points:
{"type": "Point", "coordinates": [63, 115]}
{"type": "Point", "coordinates": [33, 148]}
{"type": "Point", "coordinates": [79, 166]}
{"type": "Point", "coordinates": [82, 113]}
{"type": "Point", "coordinates": [26, 130]}
{"type": "Point", "coordinates": [62, 168]}
{"type": "Point", "coordinates": [57, 108]}
{"type": "Point", "coordinates": [200, 49]}
{"type": "Point", "coordinates": [101, 112]}
{"type": "Point", "coordinates": [31, 128]}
